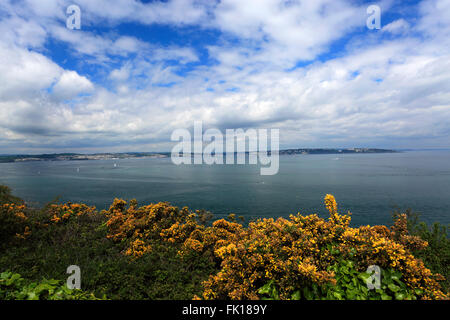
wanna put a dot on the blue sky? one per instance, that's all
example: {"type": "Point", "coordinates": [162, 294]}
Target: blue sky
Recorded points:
{"type": "Point", "coordinates": [138, 70]}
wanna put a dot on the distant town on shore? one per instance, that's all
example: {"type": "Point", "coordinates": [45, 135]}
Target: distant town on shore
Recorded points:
{"type": "Point", "coordinates": [129, 155]}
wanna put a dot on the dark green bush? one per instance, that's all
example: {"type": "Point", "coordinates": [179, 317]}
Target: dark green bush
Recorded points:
{"type": "Point", "coordinates": [436, 255]}
{"type": "Point", "coordinates": [105, 270]}
{"type": "Point", "coordinates": [14, 287]}
{"type": "Point", "coordinates": [12, 218]}
{"type": "Point", "coordinates": [162, 273]}
{"type": "Point", "coordinates": [6, 197]}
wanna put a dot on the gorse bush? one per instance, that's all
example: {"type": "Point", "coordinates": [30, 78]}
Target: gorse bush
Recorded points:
{"type": "Point", "coordinates": [7, 198]}
{"type": "Point", "coordinates": [350, 285]}
{"type": "Point", "coordinates": [13, 223]}
{"type": "Point", "coordinates": [159, 251]}
{"type": "Point", "coordinates": [298, 252]}
{"type": "Point", "coordinates": [139, 227]}
{"type": "Point", "coordinates": [13, 217]}
{"type": "Point", "coordinates": [290, 254]}
{"type": "Point", "coordinates": [67, 234]}
{"type": "Point", "coordinates": [436, 255]}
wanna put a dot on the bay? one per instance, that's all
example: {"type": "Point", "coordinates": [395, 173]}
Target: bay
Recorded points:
{"type": "Point", "coordinates": [371, 186]}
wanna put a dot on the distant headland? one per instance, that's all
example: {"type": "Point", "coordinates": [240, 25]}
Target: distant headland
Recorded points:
{"type": "Point", "coordinates": [130, 155]}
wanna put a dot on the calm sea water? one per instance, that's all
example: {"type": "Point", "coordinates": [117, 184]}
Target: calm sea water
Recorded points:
{"type": "Point", "coordinates": [371, 186]}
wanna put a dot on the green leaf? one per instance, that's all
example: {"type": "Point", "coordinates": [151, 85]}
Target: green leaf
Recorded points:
{"type": "Point", "coordinates": [393, 287]}
{"type": "Point", "coordinates": [32, 296]}
{"type": "Point", "coordinates": [5, 275]}
{"type": "Point", "coordinates": [275, 293]}
{"type": "Point", "coordinates": [338, 296]}
{"type": "Point", "coordinates": [266, 289]}
{"type": "Point", "coordinates": [399, 296]}
{"type": "Point", "coordinates": [308, 294]}
{"type": "Point", "coordinates": [296, 295]}
{"type": "Point", "coordinates": [364, 276]}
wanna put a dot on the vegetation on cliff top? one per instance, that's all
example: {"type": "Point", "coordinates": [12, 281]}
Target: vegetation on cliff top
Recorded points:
{"type": "Point", "coordinates": [159, 251]}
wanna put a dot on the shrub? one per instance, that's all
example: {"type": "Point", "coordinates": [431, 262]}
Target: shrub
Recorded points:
{"type": "Point", "coordinates": [6, 197]}
{"type": "Point", "coordinates": [13, 223]}
{"type": "Point", "coordinates": [66, 234]}
{"type": "Point", "coordinates": [13, 218]}
{"type": "Point", "coordinates": [299, 252]}
{"type": "Point", "coordinates": [159, 251]}
{"type": "Point", "coordinates": [436, 255]}
{"type": "Point", "coordinates": [350, 285]}
{"type": "Point", "coordinates": [139, 227]}
{"type": "Point", "coordinates": [14, 287]}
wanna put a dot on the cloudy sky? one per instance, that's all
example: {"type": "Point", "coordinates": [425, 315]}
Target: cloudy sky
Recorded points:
{"type": "Point", "coordinates": [138, 70]}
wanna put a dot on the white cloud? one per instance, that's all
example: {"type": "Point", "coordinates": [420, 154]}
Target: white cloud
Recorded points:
{"type": "Point", "coordinates": [24, 73]}
{"type": "Point", "coordinates": [70, 84]}
{"type": "Point", "coordinates": [397, 27]}
{"type": "Point", "coordinates": [289, 30]}
{"type": "Point", "coordinates": [121, 74]}
{"type": "Point", "coordinates": [385, 93]}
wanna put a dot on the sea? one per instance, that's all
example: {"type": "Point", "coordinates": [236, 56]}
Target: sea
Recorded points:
{"type": "Point", "coordinates": [369, 185]}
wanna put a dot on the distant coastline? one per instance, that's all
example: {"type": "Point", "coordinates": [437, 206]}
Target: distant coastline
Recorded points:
{"type": "Point", "coordinates": [130, 155]}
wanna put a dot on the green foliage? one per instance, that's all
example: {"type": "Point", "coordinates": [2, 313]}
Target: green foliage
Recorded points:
{"type": "Point", "coordinates": [269, 291]}
{"type": "Point", "coordinates": [105, 270]}
{"type": "Point", "coordinates": [14, 287]}
{"type": "Point", "coordinates": [436, 255]}
{"type": "Point", "coordinates": [7, 197]}
{"type": "Point", "coordinates": [162, 273]}
{"type": "Point", "coordinates": [350, 285]}
{"type": "Point", "coordinates": [10, 223]}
